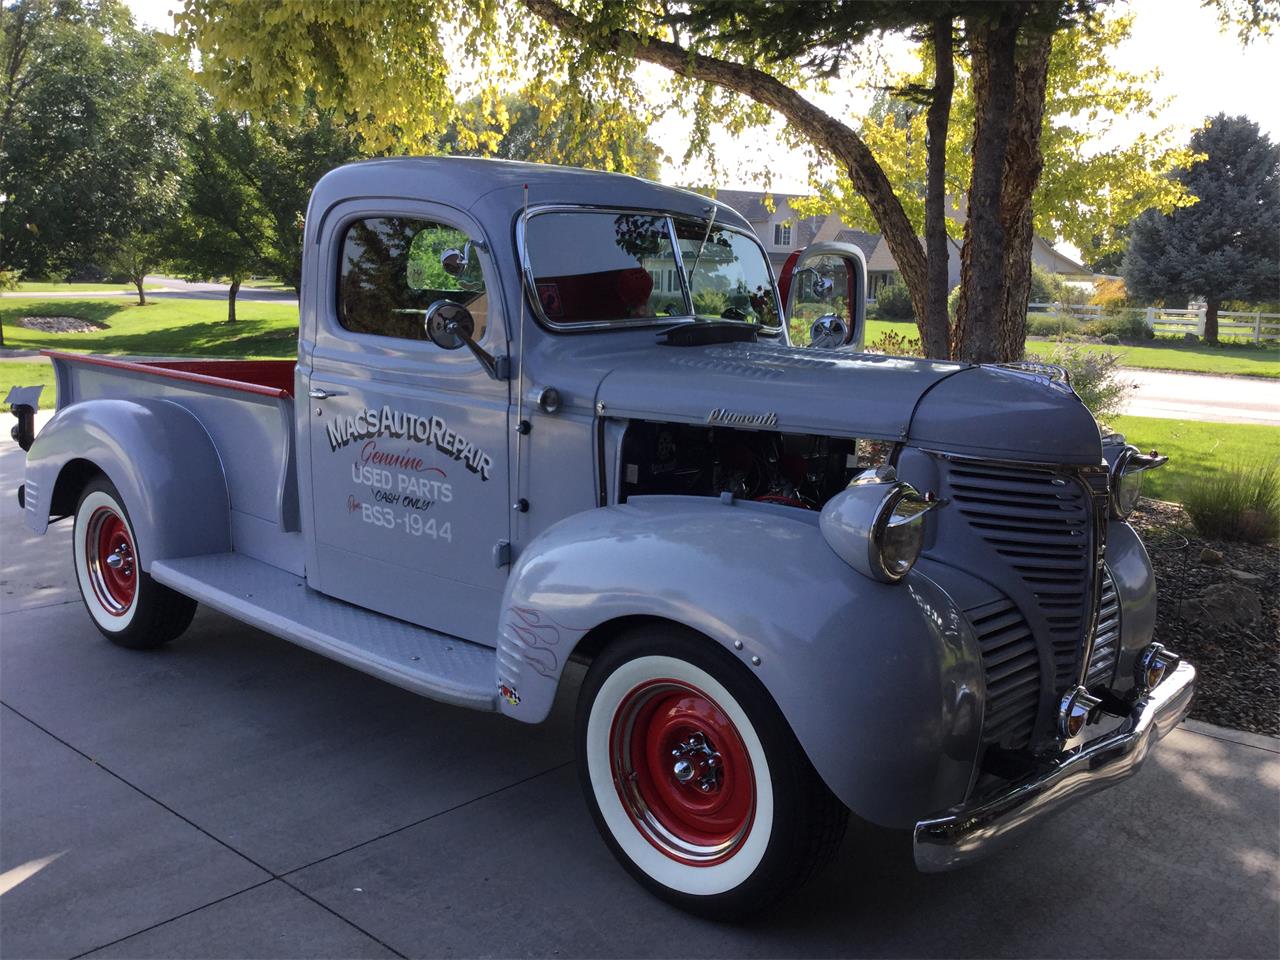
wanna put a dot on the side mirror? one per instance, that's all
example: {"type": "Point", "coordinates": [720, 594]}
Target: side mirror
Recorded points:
{"type": "Point", "coordinates": [828, 332]}
{"type": "Point", "coordinates": [449, 324]}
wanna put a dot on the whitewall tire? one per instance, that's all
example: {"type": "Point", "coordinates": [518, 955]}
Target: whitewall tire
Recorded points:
{"type": "Point", "coordinates": [126, 605]}
{"type": "Point", "coordinates": [694, 778]}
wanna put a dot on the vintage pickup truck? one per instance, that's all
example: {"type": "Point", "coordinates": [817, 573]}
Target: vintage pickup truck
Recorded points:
{"type": "Point", "coordinates": [541, 414]}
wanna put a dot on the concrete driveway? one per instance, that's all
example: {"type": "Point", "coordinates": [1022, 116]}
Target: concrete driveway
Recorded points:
{"type": "Point", "coordinates": [235, 796]}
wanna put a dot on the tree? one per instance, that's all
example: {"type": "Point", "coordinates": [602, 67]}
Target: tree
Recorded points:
{"type": "Point", "coordinates": [91, 129]}
{"type": "Point", "coordinates": [1086, 195]}
{"type": "Point", "coordinates": [1224, 246]}
{"type": "Point", "coordinates": [527, 131]}
{"type": "Point", "coordinates": [293, 152]}
{"type": "Point", "coordinates": [732, 62]}
{"type": "Point", "coordinates": [225, 230]}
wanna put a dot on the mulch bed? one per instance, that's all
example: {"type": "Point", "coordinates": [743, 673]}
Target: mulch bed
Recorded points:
{"type": "Point", "coordinates": [61, 324]}
{"type": "Point", "coordinates": [1236, 653]}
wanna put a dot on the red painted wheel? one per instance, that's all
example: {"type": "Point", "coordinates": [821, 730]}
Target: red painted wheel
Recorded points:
{"type": "Point", "coordinates": [682, 771]}
{"type": "Point", "coordinates": [682, 753]}
{"type": "Point", "coordinates": [111, 561]}
{"type": "Point", "coordinates": [130, 608]}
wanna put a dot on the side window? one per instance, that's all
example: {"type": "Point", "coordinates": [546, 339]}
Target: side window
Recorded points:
{"type": "Point", "coordinates": [394, 268]}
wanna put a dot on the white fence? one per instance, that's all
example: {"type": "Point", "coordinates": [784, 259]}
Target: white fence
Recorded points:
{"type": "Point", "coordinates": [1241, 326]}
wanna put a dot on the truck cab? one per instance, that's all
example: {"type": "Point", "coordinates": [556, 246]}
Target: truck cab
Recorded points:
{"type": "Point", "coordinates": [541, 414]}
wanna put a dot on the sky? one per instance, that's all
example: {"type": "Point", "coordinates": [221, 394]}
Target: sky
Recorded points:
{"type": "Point", "coordinates": [1203, 72]}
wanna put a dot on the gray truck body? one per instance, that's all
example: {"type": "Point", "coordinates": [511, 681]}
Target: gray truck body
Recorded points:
{"type": "Point", "coordinates": [384, 504]}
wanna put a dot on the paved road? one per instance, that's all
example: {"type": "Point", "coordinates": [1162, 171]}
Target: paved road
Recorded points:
{"type": "Point", "coordinates": [173, 288]}
{"type": "Point", "coordinates": [234, 795]}
{"type": "Point", "coordinates": [1193, 396]}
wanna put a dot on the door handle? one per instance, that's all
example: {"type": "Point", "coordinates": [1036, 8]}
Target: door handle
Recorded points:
{"type": "Point", "coordinates": [316, 393]}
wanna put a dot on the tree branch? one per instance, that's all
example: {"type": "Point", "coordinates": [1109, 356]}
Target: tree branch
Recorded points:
{"type": "Point", "coordinates": [824, 130]}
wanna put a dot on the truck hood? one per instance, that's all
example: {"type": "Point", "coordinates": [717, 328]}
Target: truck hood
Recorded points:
{"type": "Point", "coordinates": [974, 410]}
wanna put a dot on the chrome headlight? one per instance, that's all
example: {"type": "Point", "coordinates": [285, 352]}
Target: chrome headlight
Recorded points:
{"type": "Point", "coordinates": [876, 525]}
{"type": "Point", "coordinates": [1126, 478]}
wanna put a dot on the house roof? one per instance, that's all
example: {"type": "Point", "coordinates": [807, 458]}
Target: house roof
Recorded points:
{"type": "Point", "coordinates": [864, 241]}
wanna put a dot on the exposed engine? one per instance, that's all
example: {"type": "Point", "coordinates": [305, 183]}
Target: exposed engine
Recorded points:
{"type": "Point", "coordinates": [797, 470]}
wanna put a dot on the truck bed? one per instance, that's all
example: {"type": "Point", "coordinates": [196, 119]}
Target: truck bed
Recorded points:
{"type": "Point", "coordinates": [247, 408]}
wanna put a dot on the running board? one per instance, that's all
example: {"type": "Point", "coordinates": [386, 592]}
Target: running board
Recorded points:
{"type": "Point", "coordinates": [432, 664]}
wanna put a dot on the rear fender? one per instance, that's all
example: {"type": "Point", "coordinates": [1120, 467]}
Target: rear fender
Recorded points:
{"type": "Point", "coordinates": [882, 684]}
{"type": "Point", "coordinates": [160, 459]}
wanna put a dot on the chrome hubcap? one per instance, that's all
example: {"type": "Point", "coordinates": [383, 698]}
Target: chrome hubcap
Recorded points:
{"type": "Point", "coordinates": [696, 758]}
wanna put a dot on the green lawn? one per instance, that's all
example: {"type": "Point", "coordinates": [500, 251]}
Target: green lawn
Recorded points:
{"type": "Point", "coordinates": [1196, 448]}
{"type": "Point", "coordinates": [28, 373]}
{"type": "Point", "coordinates": [40, 286]}
{"type": "Point", "coordinates": [161, 328]}
{"type": "Point", "coordinates": [1192, 357]}
{"type": "Point", "coordinates": [263, 283]}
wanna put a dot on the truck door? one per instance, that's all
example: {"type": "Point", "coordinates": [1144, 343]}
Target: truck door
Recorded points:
{"type": "Point", "coordinates": [408, 441]}
{"type": "Point", "coordinates": [824, 292]}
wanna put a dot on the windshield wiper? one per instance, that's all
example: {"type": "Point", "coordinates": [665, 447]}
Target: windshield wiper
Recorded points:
{"type": "Point", "coordinates": [702, 246]}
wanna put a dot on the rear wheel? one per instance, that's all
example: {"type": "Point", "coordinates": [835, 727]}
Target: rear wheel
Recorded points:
{"type": "Point", "coordinates": [694, 777]}
{"type": "Point", "coordinates": [130, 608]}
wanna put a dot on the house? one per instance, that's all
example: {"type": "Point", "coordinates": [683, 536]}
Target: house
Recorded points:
{"type": "Point", "coordinates": [782, 231]}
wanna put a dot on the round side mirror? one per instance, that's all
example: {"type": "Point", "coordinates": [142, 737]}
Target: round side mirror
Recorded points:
{"type": "Point", "coordinates": [449, 324]}
{"type": "Point", "coordinates": [828, 331]}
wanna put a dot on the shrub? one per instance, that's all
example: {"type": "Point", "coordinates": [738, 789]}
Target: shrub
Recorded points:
{"type": "Point", "coordinates": [1111, 339]}
{"type": "Point", "coordinates": [1051, 325]}
{"type": "Point", "coordinates": [1125, 326]}
{"type": "Point", "coordinates": [1095, 377]}
{"type": "Point", "coordinates": [895, 345]}
{"type": "Point", "coordinates": [894, 303]}
{"type": "Point", "coordinates": [953, 301]}
{"type": "Point", "coordinates": [710, 303]}
{"type": "Point", "coordinates": [1242, 503]}
{"type": "Point", "coordinates": [1044, 285]}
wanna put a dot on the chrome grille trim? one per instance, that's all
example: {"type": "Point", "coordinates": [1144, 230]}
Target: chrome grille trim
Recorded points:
{"type": "Point", "coordinates": [1106, 636]}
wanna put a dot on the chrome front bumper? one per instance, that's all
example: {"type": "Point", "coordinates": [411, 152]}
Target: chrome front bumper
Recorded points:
{"type": "Point", "coordinates": [968, 833]}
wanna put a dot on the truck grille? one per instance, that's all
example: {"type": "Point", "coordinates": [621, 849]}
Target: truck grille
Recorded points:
{"type": "Point", "coordinates": [1106, 636]}
{"type": "Point", "coordinates": [1039, 521]}
{"type": "Point", "coordinates": [1011, 666]}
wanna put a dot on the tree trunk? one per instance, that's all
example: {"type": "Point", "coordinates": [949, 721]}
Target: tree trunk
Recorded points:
{"type": "Point", "coordinates": [993, 43]}
{"type": "Point", "coordinates": [823, 130]}
{"type": "Point", "coordinates": [1211, 306]}
{"type": "Point", "coordinates": [935, 325]}
{"type": "Point", "coordinates": [1022, 165]}
{"type": "Point", "coordinates": [142, 296]}
{"type": "Point", "coordinates": [231, 299]}
{"type": "Point", "coordinates": [1, 334]}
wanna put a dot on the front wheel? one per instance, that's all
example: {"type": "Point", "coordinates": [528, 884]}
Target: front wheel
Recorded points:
{"type": "Point", "coordinates": [130, 608]}
{"type": "Point", "coordinates": [695, 779]}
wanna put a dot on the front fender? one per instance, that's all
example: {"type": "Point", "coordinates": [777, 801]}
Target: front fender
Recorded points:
{"type": "Point", "coordinates": [160, 459]}
{"type": "Point", "coordinates": [882, 684]}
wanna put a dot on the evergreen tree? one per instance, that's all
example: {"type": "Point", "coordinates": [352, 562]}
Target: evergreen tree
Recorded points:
{"type": "Point", "coordinates": [1224, 246]}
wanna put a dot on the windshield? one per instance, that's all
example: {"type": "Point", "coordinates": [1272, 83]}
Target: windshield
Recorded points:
{"type": "Point", "coordinates": [622, 268]}
{"type": "Point", "coordinates": [728, 276]}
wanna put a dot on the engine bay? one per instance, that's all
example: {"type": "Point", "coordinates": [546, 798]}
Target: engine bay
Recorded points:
{"type": "Point", "coordinates": [796, 470]}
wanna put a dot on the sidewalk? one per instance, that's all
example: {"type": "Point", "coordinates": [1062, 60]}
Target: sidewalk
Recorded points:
{"type": "Point", "coordinates": [1198, 396]}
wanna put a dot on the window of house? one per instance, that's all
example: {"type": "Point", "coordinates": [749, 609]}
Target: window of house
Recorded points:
{"type": "Point", "coordinates": [394, 268]}
{"type": "Point", "coordinates": [782, 234]}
